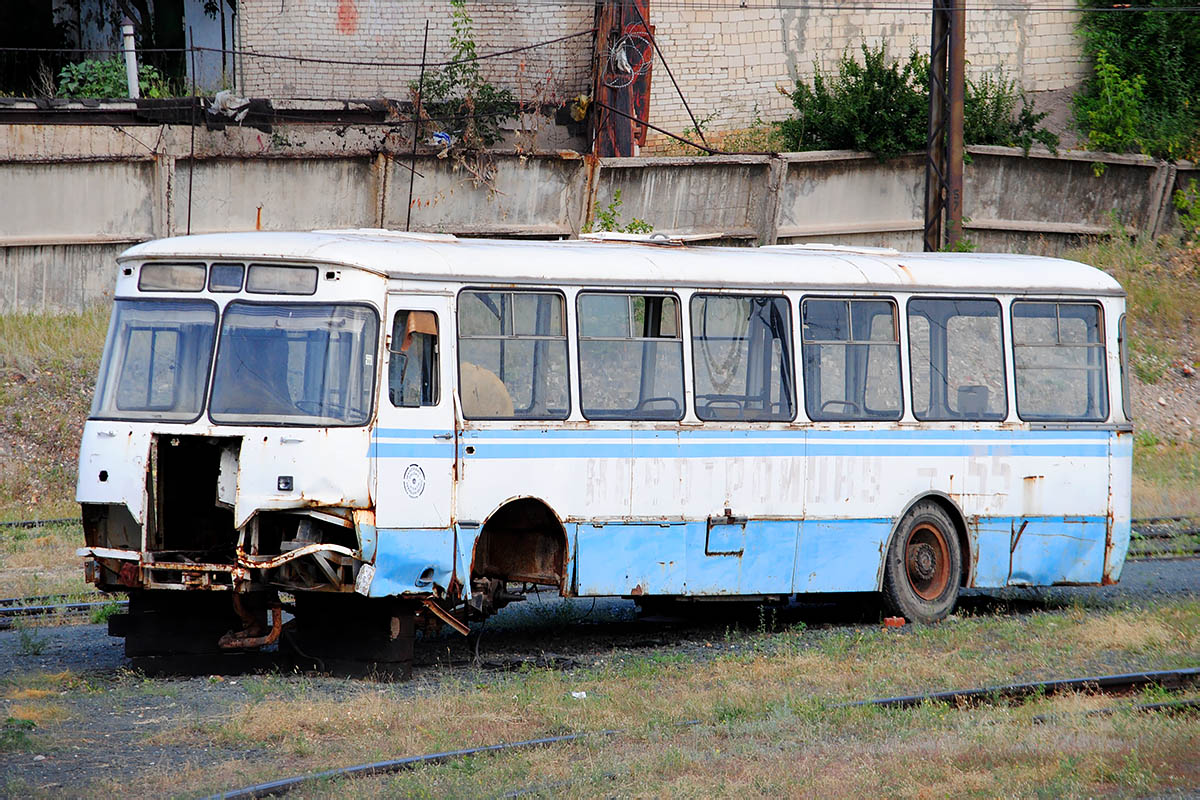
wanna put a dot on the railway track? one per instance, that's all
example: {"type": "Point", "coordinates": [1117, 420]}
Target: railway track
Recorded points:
{"type": "Point", "coordinates": [14, 608]}
{"type": "Point", "coordinates": [963, 699]}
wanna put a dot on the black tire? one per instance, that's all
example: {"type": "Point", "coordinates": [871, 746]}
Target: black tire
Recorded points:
{"type": "Point", "coordinates": [924, 565]}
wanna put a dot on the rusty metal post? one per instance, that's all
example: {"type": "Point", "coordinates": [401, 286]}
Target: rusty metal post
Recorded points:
{"type": "Point", "coordinates": [412, 174]}
{"type": "Point", "coordinates": [957, 79]}
{"type": "Point", "coordinates": [935, 142]}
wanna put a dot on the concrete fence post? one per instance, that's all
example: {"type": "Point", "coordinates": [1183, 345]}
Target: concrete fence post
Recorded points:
{"type": "Point", "coordinates": [1161, 188]}
{"type": "Point", "coordinates": [164, 196]}
{"type": "Point", "coordinates": [382, 169]}
{"type": "Point", "coordinates": [768, 232]}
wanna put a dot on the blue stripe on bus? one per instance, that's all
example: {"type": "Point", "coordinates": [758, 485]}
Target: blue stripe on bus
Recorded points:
{"type": "Point", "coordinates": [531, 444]}
{"type": "Point", "coordinates": [812, 435]}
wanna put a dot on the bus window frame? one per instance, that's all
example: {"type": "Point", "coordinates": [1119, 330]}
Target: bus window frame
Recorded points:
{"type": "Point", "coordinates": [1123, 355]}
{"type": "Point", "coordinates": [899, 342]}
{"type": "Point", "coordinates": [376, 370]}
{"type": "Point", "coordinates": [1005, 336]}
{"type": "Point", "coordinates": [1101, 342]}
{"type": "Point", "coordinates": [790, 327]}
{"type": "Point", "coordinates": [579, 338]}
{"type": "Point", "coordinates": [566, 339]}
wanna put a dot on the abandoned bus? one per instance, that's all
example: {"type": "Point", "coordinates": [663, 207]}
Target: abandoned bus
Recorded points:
{"type": "Point", "coordinates": [410, 429]}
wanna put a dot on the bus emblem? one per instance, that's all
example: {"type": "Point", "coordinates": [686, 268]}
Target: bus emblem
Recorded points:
{"type": "Point", "coordinates": [414, 481]}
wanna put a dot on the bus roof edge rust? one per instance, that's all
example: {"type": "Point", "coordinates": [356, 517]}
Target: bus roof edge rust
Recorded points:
{"type": "Point", "coordinates": [442, 257]}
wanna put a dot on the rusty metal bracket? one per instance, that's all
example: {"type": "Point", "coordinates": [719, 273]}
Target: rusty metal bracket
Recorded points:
{"type": "Point", "coordinates": [237, 641]}
{"type": "Point", "coordinates": [445, 616]}
{"type": "Point", "coordinates": [270, 562]}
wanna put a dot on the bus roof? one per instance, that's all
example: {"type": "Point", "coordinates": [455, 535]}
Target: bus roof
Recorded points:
{"type": "Point", "coordinates": [441, 257]}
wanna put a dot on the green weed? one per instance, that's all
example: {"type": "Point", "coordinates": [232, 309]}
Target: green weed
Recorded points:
{"type": "Point", "coordinates": [14, 735]}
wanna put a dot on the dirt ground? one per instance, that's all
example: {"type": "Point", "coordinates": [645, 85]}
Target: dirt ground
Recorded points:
{"type": "Point", "coordinates": [118, 723]}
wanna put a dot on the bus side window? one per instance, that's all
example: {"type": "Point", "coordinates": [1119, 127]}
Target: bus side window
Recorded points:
{"type": "Point", "coordinates": [630, 356]}
{"type": "Point", "coordinates": [851, 354]}
{"type": "Point", "coordinates": [742, 356]}
{"type": "Point", "coordinates": [413, 360]}
{"type": "Point", "coordinates": [512, 355]}
{"type": "Point", "coordinates": [956, 353]}
{"type": "Point", "coordinates": [1058, 355]}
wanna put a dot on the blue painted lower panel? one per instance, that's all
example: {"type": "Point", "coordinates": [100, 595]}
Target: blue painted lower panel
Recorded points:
{"type": "Point", "coordinates": [763, 557]}
{"type": "Point", "coordinates": [1058, 550]}
{"type": "Point", "coordinates": [617, 558]}
{"type": "Point", "coordinates": [840, 555]}
{"type": "Point", "coordinates": [1040, 551]}
{"type": "Point", "coordinates": [761, 565]}
{"type": "Point", "coordinates": [402, 556]}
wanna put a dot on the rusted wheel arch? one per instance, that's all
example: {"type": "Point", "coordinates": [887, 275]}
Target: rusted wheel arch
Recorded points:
{"type": "Point", "coordinates": [522, 540]}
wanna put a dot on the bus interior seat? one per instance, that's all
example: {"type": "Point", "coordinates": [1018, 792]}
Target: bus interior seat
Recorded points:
{"type": "Point", "coordinates": [483, 393]}
{"type": "Point", "coordinates": [972, 401]}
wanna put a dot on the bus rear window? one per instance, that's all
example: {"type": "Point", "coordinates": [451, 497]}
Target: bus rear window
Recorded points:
{"type": "Point", "coordinates": [1058, 356]}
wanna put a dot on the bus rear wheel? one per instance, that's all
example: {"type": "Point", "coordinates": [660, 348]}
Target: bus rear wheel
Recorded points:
{"type": "Point", "coordinates": [924, 561]}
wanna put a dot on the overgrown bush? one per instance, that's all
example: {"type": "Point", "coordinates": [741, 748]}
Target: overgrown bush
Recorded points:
{"type": "Point", "coordinates": [456, 99]}
{"type": "Point", "coordinates": [106, 79]}
{"type": "Point", "coordinates": [882, 106]}
{"type": "Point", "coordinates": [1144, 94]}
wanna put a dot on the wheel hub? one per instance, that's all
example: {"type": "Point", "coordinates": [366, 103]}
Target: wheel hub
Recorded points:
{"type": "Point", "coordinates": [922, 561]}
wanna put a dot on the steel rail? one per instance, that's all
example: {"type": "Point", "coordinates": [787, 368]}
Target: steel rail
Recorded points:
{"type": "Point", "coordinates": [1169, 678]}
{"type": "Point", "coordinates": [1176, 678]}
{"type": "Point", "coordinates": [41, 610]}
{"type": "Point", "coordinates": [284, 785]}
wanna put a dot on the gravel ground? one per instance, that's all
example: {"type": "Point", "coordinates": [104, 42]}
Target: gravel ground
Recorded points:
{"type": "Point", "coordinates": [113, 709]}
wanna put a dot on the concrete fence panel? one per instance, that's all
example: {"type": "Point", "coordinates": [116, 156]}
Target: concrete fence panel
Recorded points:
{"type": "Point", "coordinates": [846, 197]}
{"type": "Point", "coordinates": [243, 194]}
{"type": "Point", "coordinates": [718, 197]}
{"type": "Point", "coordinates": [502, 195]}
{"type": "Point", "coordinates": [77, 201]}
{"type": "Point", "coordinates": [1044, 203]}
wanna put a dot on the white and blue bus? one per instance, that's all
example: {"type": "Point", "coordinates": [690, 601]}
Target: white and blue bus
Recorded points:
{"type": "Point", "coordinates": [390, 426]}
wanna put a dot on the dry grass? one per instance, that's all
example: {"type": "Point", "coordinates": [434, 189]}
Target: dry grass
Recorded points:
{"type": "Point", "coordinates": [42, 561]}
{"type": "Point", "coordinates": [1166, 478]}
{"type": "Point", "coordinates": [767, 720]}
{"type": "Point", "coordinates": [41, 713]}
{"type": "Point", "coordinates": [47, 369]}
{"type": "Point", "coordinates": [28, 341]}
{"type": "Point", "coordinates": [1162, 281]}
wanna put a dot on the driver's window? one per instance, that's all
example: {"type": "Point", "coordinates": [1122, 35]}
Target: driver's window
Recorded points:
{"type": "Point", "coordinates": [413, 360]}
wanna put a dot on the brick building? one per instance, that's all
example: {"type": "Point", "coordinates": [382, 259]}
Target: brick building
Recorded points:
{"type": "Point", "coordinates": [729, 60]}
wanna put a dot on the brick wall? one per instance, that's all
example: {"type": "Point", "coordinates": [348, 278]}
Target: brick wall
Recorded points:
{"type": "Point", "coordinates": [392, 31]}
{"type": "Point", "coordinates": [728, 60]}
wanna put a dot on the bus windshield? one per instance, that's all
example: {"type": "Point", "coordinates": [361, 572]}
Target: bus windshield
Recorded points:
{"type": "Point", "coordinates": [305, 364]}
{"type": "Point", "coordinates": [156, 359]}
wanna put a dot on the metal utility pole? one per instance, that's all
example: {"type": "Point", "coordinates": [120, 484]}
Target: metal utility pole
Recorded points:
{"type": "Point", "coordinates": [623, 61]}
{"type": "Point", "coordinates": [944, 144]}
